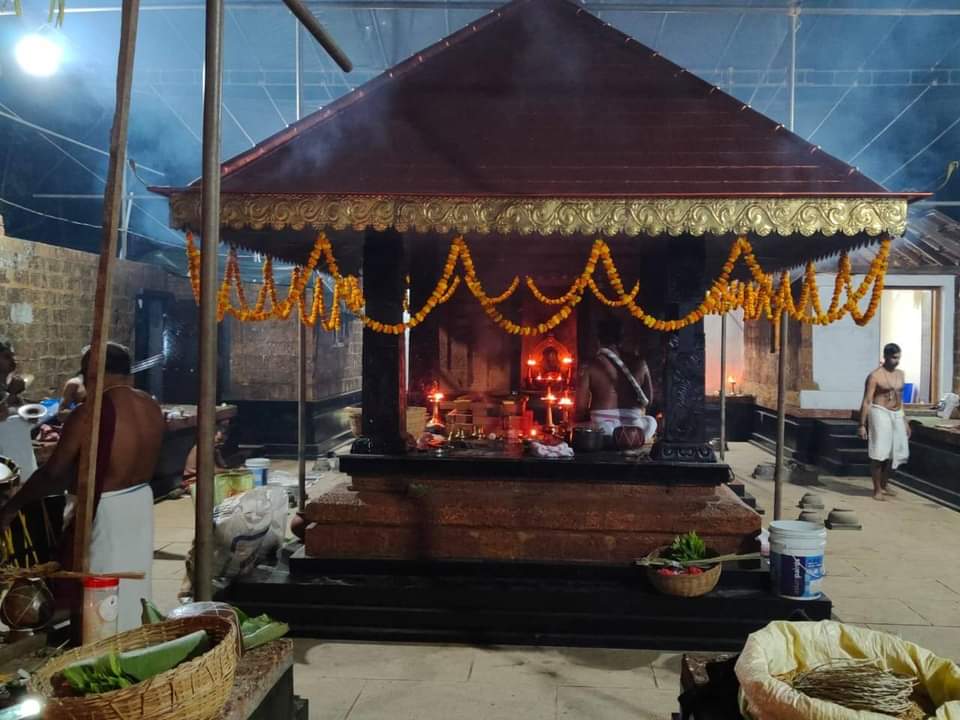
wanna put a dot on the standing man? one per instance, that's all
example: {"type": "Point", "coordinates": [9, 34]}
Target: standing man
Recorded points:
{"type": "Point", "coordinates": [616, 390]}
{"type": "Point", "coordinates": [882, 421]}
{"type": "Point", "coordinates": [131, 431]}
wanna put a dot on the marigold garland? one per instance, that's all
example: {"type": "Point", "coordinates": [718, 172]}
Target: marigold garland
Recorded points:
{"type": "Point", "coordinates": [760, 297]}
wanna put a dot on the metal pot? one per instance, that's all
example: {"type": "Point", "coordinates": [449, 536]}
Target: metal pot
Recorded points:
{"type": "Point", "coordinates": [587, 439]}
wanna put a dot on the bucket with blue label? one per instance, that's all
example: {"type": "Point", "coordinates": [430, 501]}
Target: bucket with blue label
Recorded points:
{"type": "Point", "coordinates": [796, 558]}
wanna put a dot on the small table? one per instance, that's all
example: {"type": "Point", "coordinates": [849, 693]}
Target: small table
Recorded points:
{"type": "Point", "coordinates": [263, 686]}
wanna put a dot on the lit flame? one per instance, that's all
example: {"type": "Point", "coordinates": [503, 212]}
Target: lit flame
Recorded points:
{"type": "Point", "coordinates": [531, 362]}
{"type": "Point", "coordinates": [565, 401]}
{"type": "Point", "coordinates": [437, 396]}
{"type": "Point", "coordinates": [731, 379]}
{"type": "Point", "coordinates": [550, 397]}
{"type": "Point", "coordinates": [568, 360]}
{"type": "Point", "coordinates": [533, 432]}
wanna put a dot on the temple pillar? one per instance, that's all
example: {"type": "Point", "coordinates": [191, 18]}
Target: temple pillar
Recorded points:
{"type": "Point", "coordinates": [384, 388]}
{"type": "Point", "coordinates": [682, 436]}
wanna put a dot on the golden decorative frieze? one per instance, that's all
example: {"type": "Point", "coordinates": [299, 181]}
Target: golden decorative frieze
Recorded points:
{"type": "Point", "coordinates": [652, 216]}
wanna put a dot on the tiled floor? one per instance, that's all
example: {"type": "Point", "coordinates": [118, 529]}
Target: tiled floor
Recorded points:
{"type": "Point", "coordinates": [898, 574]}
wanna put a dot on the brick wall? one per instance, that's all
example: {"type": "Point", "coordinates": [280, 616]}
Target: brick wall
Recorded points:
{"type": "Point", "coordinates": [263, 361]}
{"type": "Point", "coordinates": [46, 305]}
{"type": "Point", "coordinates": [760, 365]}
{"type": "Point", "coordinates": [46, 310]}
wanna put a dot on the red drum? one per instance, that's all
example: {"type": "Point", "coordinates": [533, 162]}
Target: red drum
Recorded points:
{"type": "Point", "coordinates": [628, 437]}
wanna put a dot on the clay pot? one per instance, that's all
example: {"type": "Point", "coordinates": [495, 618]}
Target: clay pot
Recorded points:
{"type": "Point", "coordinates": [628, 437]}
{"type": "Point", "coordinates": [811, 501]}
{"type": "Point", "coordinates": [27, 605]}
{"type": "Point", "coordinates": [814, 516]}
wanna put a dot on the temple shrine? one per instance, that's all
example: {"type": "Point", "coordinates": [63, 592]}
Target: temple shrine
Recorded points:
{"type": "Point", "coordinates": [527, 150]}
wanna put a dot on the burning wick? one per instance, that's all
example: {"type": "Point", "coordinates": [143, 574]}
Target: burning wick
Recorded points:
{"type": "Point", "coordinates": [533, 432]}
{"type": "Point", "coordinates": [566, 402]}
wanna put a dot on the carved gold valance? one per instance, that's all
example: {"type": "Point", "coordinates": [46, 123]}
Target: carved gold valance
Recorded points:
{"type": "Point", "coordinates": [654, 216]}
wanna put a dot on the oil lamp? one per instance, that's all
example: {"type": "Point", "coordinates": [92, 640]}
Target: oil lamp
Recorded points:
{"type": "Point", "coordinates": [733, 385]}
{"type": "Point", "coordinates": [566, 404]}
{"type": "Point", "coordinates": [531, 364]}
{"type": "Point", "coordinates": [436, 421]}
{"type": "Point", "coordinates": [550, 399]}
{"type": "Point", "coordinates": [567, 369]}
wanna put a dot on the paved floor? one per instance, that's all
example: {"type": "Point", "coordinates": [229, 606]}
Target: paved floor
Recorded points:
{"type": "Point", "coordinates": [899, 574]}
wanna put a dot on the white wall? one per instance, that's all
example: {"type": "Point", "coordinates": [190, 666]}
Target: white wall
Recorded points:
{"type": "Point", "coordinates": [711, 329]}
{"type": "Point", "coordinates": [844, 354]}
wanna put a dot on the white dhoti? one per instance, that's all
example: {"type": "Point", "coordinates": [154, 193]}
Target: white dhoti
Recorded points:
{"type": "Point", "coordinates": [122, 541]}
{"type": "Point", "coordinates": [610, 420]}
{"type": "Point", "coordinates": [887, 436]}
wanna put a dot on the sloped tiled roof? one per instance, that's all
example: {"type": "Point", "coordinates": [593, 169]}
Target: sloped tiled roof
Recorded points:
{"type": "Point", "coordinates": [541, 99]}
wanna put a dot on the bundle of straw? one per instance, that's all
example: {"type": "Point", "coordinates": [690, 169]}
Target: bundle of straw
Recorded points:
{"type": "Point", "coordinates": [858, 685]}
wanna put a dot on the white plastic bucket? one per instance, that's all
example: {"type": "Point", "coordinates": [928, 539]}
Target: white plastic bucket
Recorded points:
{"type": "Point", "coordinates": [260, 467]}
{"type": "Point", "coordinates": [796, 558]}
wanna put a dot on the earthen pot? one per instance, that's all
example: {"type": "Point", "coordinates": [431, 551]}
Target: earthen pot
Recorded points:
{"type": "Point", "coordinates": [628, 437]}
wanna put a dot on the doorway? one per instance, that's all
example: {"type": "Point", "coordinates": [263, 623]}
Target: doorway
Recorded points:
{"type": "Point", "coordinates": [909, 318]}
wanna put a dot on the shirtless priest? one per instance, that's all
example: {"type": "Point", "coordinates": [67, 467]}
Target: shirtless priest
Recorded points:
{"type": "Point", "coordinates": [882, 421]}
{"type": "Point", "coordinates": [131, 431]}
{"type": "Point", "coordinates": [614, 387]}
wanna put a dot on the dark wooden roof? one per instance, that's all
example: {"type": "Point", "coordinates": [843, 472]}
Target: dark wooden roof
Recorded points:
{"type": "Point", "coordinates": [541, 99]}
{"type": "Point", "coordinates": [931, 244]}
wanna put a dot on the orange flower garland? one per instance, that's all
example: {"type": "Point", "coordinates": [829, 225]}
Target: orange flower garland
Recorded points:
{"type": "Point", "coordinates": [759, 297]}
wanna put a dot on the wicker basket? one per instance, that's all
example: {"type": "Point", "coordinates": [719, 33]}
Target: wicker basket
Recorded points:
{"type": "Point", "coordinates": [195, 690]}
{"type": "Point", "coordinates": [683, 585]}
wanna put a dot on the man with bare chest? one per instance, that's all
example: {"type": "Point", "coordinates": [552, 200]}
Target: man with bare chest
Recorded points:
{"type": "Point", "coordinates": [614, 387]}
{"type": "Point", "coordinates": [131, 433]}
{"type": "Point", "coordinates": [882, 422]}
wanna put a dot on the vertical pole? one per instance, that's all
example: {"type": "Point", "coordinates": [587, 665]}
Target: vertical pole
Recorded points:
{"type": "Point", "coordinates": [209, 248]}
{"type": "Point", "coordinates": [781, 418]}
{"type": "Point", "coordinates": [723, 387]}
{"type": "Point", "coordinates": [302, 333]}
{"type": "Point", "coordinates": [112, 201]}
{"type": "Point", "coordinates": [792, 69]}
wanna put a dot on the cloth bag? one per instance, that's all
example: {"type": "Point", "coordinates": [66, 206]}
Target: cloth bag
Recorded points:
{"type": "Point", "coordinates": [782, 647]}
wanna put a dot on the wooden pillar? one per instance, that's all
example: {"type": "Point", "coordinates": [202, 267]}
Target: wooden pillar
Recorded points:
{"type": "Point", "coordinates": [682, 435]}
{"type": "Point", "coordinates": [781, 418]}
{"type": "Point", "coordinates": [425, 337]}
{"type": "Point", "coordinates": [112, 200]}
{"type": "Point", "coordinates": [384, 393]}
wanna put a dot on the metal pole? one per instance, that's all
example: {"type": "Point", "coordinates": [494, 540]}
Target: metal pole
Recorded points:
{"type": "Point", "coordinates": [112, 201]}
{"type": "Point", "coordinates": [792, 70]}
{"type": "Point", "coordinates": [302, 328]}
{"type": "Point", "coordinates": [298, 71]}
{"type": "Point", "coordinates": [723, 387]}
{"type": "Point", "coordinates": [210, 199]}
{"type": "Point", "coordinates": [781, 418]}
{"type": "Point", "coordinates": [303, 14]}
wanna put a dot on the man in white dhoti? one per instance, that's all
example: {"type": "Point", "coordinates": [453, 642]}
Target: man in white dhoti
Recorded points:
{"type": "Point", "coordinates": [882, 422]}
{"type": "Point", "coordinates": [614, 388]}
{"type": "Point", "coordinates": [131, 431]}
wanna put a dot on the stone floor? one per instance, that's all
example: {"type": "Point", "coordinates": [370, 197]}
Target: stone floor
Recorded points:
{"type": "Point", "coordinates": [899, 574]}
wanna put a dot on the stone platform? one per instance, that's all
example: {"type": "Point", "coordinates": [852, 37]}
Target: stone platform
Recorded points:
{"type": "Point", "coordinates": [603, 508]}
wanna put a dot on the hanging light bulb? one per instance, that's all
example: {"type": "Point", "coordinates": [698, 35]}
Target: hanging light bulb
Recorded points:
{"type": "Point", "coordinates": [38, 55]}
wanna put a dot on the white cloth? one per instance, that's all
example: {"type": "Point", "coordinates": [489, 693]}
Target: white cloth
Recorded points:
{"type": "Point", "coordinates": [887, 436]}
{"type": "Point", "coordinates": [122, 541]}
{"type": "Point", "coordinates": [610, 420]}
{"type": "Point", "coordinates": [561, 450]}
{"type": "Point", "coordinates": [15, 444]}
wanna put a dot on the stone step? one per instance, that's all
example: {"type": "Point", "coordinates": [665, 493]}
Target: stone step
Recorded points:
{"type": "Point", "coordinates": [575, 604]}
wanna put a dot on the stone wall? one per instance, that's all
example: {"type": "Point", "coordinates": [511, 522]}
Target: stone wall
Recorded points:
{"type": "Point", "coordinates": [263, 361]}
{"type": "Point", "coordinates": [46, 310]}
{"type": "Point", "coordinates": [46, 305]}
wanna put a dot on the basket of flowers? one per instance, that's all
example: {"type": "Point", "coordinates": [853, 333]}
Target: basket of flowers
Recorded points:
{"type": "Point", "coordinates": [685, 569]}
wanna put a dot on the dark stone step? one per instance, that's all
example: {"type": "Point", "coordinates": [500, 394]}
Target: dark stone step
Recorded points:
{"type": "Point", "coordinates": [567, 604]}
{"type": "Point", "coordinates": [934, 491]}
{"type": "Point", "coordinates": [840, 468]}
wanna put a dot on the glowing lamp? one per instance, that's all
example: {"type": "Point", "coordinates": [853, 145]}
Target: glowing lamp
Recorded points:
{"type": "Point", "coordinates": [568, 360]}
{"type": "Point", "coordinates": [533, 432]}
{"type": "Point", "coordinates": [566, 402]}
{"type": "Point", "coordinates": [38, 55]}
